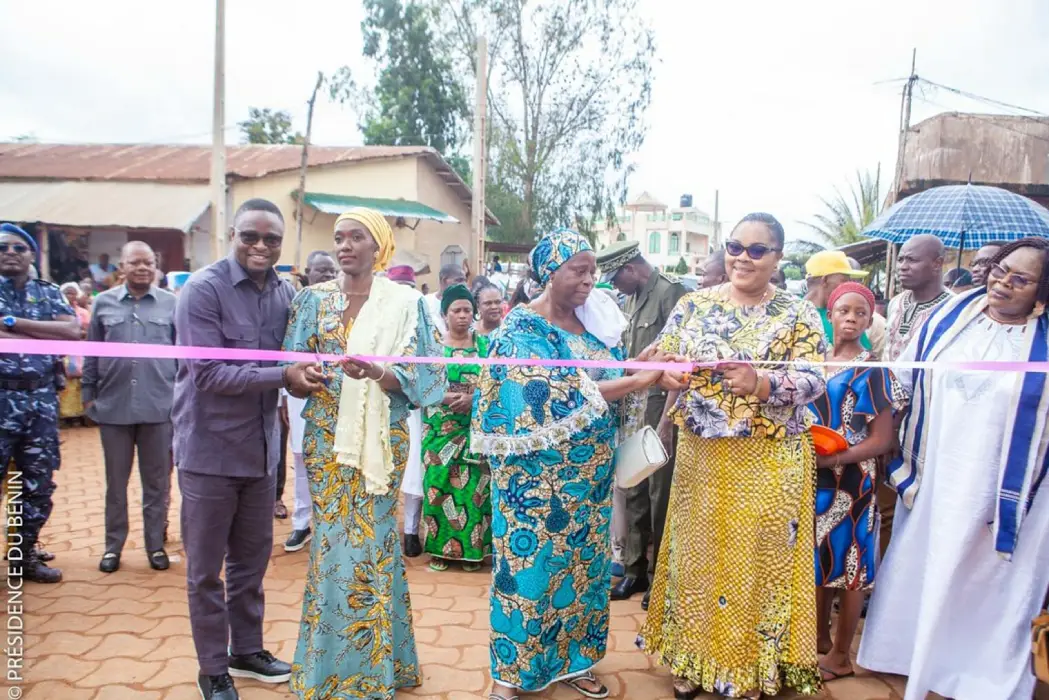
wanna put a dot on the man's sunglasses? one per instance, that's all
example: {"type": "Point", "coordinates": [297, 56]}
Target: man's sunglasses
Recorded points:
{"type": "Point", "coordinates": [755, 251]}
{"type": "Point", "coordinates": [20, 248]}
{"type": "Point", "coordinates": [250, 238]}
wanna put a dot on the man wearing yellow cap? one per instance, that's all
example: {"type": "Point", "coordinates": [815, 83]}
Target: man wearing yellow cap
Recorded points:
{"type": "Point", "coordinates": [825, 271]}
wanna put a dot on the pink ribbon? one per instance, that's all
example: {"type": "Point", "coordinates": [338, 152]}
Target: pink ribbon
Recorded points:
{"type": "Point", "coordinates": [87, 348]}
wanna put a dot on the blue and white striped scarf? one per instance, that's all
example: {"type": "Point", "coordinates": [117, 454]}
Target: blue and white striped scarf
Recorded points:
{"type": "Point", "coordinates": [1024, 460]}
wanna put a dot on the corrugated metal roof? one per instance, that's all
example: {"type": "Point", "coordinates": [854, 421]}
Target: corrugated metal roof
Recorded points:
{"type": "Point", "coordinates": [337, 204]}
{"type": "Point", "coordinates": [987, 149]}
{"type": "Point", "coordinates": [190, 163]}
{"type": "Point", "coordinates": [173, 163]}
{"type": "Point", "coordinates": [101, 204]}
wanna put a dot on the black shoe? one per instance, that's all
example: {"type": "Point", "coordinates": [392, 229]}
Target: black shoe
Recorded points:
{"type": "Point", "coordinates": [110, 562]}
{"type": "Point", "coordinates": [412, 546]}
{"type": "Point", "coordinates": [39, 572]}
{"type": "Point", "coordinates": [217, 687]}
{"type": "Point", "coordinates": [628, 586]}
{"type": "Point", "coordinates": [297, 540]}
{"type": "Point", "coordinates": [262, 666]}
{"type": "Point", "coordinates": [159, 560]}
{"type": "Point", "coordinates": [644, 601]}
{"type": "Point", "coordinates": [42, 554]}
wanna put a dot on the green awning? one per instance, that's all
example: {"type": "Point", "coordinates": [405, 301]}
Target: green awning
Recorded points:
{"type": "Point", "coordinates": [337, 204]}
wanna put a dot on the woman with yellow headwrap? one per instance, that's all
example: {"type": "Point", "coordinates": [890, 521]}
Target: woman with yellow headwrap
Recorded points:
{"type": "Point", "coordinates": [355, 638]}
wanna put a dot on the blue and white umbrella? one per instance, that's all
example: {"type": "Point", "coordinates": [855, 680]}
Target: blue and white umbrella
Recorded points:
{"type": "Point", "coordinates": [964, 217]}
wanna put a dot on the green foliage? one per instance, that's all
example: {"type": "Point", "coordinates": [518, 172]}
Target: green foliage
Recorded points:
{"type": "Point", "coordinates": [846, 217]}
{"type": "Point", "coordinates": [792, 272]}
{"type": "Point", "coordinates": [268, 126]}
{"type": "Point", "coordinates": [569, 84]}
{"type": "Point", "coordinates": [417, 100]}
{"type": "Point", "coordinates": [682, 267]}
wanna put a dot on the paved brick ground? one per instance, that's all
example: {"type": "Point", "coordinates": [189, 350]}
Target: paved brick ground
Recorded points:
{"type": "Point", "coordinates": [126, 636]}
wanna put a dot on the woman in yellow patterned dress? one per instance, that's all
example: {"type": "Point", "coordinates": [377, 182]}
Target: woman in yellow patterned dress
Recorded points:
{"type": "Point", "coordinates": [733, 602]}
{"type": "Point", "coordinates": [355, 638]}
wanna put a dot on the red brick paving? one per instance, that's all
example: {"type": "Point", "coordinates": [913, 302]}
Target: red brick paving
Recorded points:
{"type": "Point", "coordinates": [126, 636]}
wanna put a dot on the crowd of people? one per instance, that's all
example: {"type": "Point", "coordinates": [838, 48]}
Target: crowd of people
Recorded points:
{"type": "Point", "coordinates": [742, 545]}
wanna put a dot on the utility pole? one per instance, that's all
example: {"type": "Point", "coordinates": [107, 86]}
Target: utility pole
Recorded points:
{"type": "Point", "coordinates": [480, 160]}
{"type": "Point", "coordinates": [300, 204]}
{"type": "Point", "coordinates": [901, 153]}
{"type": "Point", "coordinates": [717, 224]}
{"type": "Point", "coordinates": [218, 138]}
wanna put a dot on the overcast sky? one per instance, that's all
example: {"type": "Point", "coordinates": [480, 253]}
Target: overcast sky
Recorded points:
{"type": "Point", "coordinates": [773, 103]}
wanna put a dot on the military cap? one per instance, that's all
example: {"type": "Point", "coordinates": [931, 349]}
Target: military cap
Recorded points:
{"type": "Point", "coordinates": [615, 256]}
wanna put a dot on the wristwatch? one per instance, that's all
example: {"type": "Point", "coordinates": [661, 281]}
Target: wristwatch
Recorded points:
{"type": "Point", "coordinates": [9, 321]}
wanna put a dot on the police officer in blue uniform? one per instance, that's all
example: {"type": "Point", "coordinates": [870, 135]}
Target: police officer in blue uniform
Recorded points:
{"type": "Point", "coordinates": [29, 309]}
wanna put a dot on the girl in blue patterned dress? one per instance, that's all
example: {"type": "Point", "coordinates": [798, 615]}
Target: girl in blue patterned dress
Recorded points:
{"type": "Point", "coordinates": [859, 404]}
{"type": "Point", "coordinates": [550, 434]}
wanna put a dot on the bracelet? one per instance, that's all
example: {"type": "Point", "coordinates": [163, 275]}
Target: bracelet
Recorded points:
{"type": "Point", "coordinates": [382, 374]}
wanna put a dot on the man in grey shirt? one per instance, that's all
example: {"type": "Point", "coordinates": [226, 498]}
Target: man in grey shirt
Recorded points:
{"type": "Point", "coordinates": [227, 440]}
{"type": "Point", "coordinates": [131, 399]}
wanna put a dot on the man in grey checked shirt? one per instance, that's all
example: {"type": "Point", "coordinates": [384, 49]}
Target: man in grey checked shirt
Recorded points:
{"type": "Point", "coordinates": [131, 400]}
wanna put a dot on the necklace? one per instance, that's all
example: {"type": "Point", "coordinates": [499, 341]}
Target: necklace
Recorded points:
{"type": "Point", "coordinates": [727, 293]}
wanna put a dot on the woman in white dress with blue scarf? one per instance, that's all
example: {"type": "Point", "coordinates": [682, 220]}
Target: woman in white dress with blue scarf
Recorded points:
{"type": "Point", "coordinates": [968, 565]}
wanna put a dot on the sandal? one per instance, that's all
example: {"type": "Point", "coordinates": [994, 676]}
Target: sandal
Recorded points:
{"type": "Point", "coordinates": [493, 696]}
{"type": "Point", "coordinates": [828, 675]}
{"type": "Point", "coordinates": [438, 564]}
{"type": "Point", "coordinates": [681, 693]}
{"type": "Point", "coordinates": [471, 566]}
{"type": "Point", "coordinates": [575, 684]}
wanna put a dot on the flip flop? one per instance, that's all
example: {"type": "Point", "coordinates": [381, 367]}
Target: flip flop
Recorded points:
{"type": "Point", "coordinates": [576, 685]}
{"type": "Point", "coordinates": [827, 675]}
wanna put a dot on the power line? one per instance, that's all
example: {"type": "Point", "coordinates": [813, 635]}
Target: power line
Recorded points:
{"type": "Point", "coordinates": [986, 100]}
{"type": "Point", "coordinates": [989, 119]}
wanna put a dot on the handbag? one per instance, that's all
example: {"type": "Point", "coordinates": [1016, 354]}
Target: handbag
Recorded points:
{"type": "Point", "coordinates": [638, 457]}
{"type": "Point", "coordinates": [1040, 643]}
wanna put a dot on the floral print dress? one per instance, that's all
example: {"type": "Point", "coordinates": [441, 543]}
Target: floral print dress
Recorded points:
{"type": "Point", "coordinates": [732, 607]}
{"type": "Point", "coordinates": [550, 438]}
{"type": "Point", "coordinates": [355, 637]}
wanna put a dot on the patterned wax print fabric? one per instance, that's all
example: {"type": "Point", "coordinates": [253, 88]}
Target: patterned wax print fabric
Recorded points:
{"type": "Point", "coordinates": [457, 483]}
{"type": "Point", "coordinates": [355, 638]}
{"type": "Point", "coordinates": [847, 522]}
{"type": "Point", "coordinates": [550, 438]}
{"type": "Point", "coordinates": [732, 607]}
{"type": "Point", "coordinates": [70, 399]}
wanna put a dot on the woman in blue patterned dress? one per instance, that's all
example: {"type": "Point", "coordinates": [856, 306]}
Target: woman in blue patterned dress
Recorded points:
{"type": "Point", "coordinates": [550, 434]}
{"type": "Point", "coordinates": [355, 638]}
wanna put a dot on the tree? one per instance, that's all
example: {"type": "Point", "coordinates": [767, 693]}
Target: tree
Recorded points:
{"type": "Point", "coordinates": [569, 84]}
{"type": "Point", "coordinates": [268, 126]}
{"type": "Point", "coordinates": [681, 268]}
{"type": "Point", "coordinates": [417, 100]}
{"type": "Point", "coordinates": [845, 218]}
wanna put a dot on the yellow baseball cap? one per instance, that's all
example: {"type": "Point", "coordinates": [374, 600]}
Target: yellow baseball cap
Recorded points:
{"type": "Point", "coordinates": [831, 262]}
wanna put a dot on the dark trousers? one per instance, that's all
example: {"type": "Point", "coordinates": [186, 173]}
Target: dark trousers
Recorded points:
{"type": "Point", "coordinates": [646, 507]}
{"type": "Point", "coordinates": [29, 437]}
{"type": "Point", "coordinates": [119, 442]}
{"type": "Point", "coordinates": [886, 497]}
{"type": "Point", "coordinates": [282, 465]}
{"type": "Point", "coordinates": [226, 520]}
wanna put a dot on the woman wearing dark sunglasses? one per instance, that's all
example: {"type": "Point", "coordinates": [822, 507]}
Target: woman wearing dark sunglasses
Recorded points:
{"type": "Point", "coordinates": [732, 604]}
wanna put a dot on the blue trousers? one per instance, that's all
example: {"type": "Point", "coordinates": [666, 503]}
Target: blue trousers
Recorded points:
{"type": "Point", "coordinates": [29, 437]}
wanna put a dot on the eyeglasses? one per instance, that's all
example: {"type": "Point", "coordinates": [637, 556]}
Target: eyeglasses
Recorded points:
{"type": "Point", "coordinates": [250, 238]}
{"type": "Point", "coordinates": [19, 248]}
{"type": "Point", "coordinates": [755, 251]}
{"type": "Point", "coordinates": [1015, 279]}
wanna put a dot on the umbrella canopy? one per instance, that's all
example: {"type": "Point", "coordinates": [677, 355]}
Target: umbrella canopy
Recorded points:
{"type": "Point", "coordinates": [964, 217]}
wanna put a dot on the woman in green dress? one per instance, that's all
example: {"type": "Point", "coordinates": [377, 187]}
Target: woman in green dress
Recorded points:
{"type": "Point", "coordinates": [457, 509]}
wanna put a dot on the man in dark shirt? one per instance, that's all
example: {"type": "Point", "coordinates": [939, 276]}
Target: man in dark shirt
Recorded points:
{"type": "Point", "coordinates": [130, 399]}
{"type": "Point", "coordinates": [29, 309]}
{"type": "Point", "coordinates": [651, 297]}
{"type": "Point", "coordinates": [227, 440]}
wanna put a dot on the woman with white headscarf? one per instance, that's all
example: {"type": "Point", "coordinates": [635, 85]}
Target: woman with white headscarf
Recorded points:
{"type": "Point", "coordinates": [356, 639]}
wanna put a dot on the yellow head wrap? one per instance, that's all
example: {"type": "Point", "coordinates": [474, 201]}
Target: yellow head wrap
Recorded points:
{"type": "Point", "coordinates": [379, 229]}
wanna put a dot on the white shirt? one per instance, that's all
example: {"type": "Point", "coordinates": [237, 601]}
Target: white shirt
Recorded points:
{"type": "Point", "coordinates": [296, 423]}
{"type": "Point", "coordinates": [434, 305]}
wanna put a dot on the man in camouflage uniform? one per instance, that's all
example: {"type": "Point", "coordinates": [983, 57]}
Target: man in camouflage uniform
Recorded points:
{"type": "Point", "coordinates": [29, 309]}
{"type": "Point", "coordinates": [651, 297]}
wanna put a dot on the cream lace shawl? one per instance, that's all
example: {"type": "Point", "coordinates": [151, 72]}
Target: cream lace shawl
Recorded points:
{"type": "Point", "coordinates": [385, 326]}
